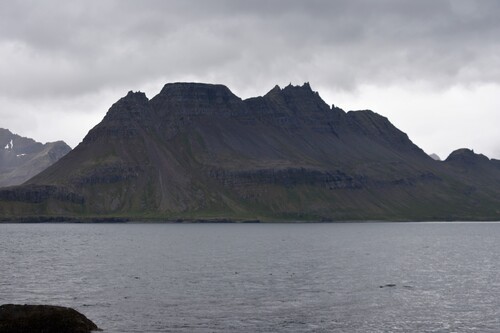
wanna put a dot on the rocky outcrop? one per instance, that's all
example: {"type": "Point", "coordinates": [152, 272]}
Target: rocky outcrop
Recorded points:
{"type": "Point", "coordinates": [22, 158]}
{"type": "Point", "coordinates": [43, 319]}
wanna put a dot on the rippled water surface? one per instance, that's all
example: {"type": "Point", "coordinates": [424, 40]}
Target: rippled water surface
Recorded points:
{"type": "Point", "coordinates": [260, 278]}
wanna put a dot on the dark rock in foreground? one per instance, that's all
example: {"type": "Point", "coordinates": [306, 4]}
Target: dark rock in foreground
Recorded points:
{"type": "Point", "coordinates": [43, 319]}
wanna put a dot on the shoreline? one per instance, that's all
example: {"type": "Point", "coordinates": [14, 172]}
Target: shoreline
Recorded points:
{"type": "Point", "coordinates": [126, 220]}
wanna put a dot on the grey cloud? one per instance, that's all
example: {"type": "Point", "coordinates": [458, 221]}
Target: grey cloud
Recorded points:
{"type": "Point", "coordinates": [66, 48]}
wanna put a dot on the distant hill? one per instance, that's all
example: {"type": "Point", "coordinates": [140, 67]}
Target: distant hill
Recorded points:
{"type": "Point", "coordinates": [22, 158]}
{"type": "Point", "coordinates": [197, 151]}
{"type": "Point", "coordinates": [435, 157]}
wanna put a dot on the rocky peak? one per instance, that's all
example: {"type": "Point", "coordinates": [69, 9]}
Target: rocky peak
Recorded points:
{"type": "Point", "coordinates": [297, 98]}
{"type": "Point", "coordinates": [137, 96]}
{"type": "Point", "coordinates": [303, 91]}
{"type": "Point", "coordinates": [123, 118]}
{"type": "Point", "coordinates": [466, 157]}
{"type": "Point", "coordinates": [276, 89]}
{"type": "Point", "coordinates": [306, 87]}
{"type": "Point", "coordinates": [435, 157]}
{"type": "Point", "coordinates": [129, 106]}
{"type": "Point", "coordinates": [131, 100]}
{"type": "Point", "coordinates": [291, 90]}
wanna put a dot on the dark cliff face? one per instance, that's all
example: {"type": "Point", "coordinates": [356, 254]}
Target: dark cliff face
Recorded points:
{"type": "Point", "coordinates": [191, 99]}
{"type": "Point", "coordinates": [197, 150]}
{"type": "Point", "coordinates": [22, 158]}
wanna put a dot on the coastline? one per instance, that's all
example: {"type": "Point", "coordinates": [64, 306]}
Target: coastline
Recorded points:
{"type": "Point", "coordinates": [124, 220]}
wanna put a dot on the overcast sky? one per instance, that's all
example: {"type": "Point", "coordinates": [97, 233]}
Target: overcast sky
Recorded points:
{"type": "Point", "coordinates": [432, 67]}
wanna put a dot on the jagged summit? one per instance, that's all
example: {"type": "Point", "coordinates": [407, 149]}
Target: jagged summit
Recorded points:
{"type": "Point", "coordinates": [297, 91]}
{"type": "Point", "coordinates": [276, 89]}
{"type": "Point", "coordinates": [294, 106]}
{"type": "Point", "coordinates": [138, 96]}
{"type": "Point", "coordinates": [305, 87]}
{"type": "Point", "coordinates": [128, 104]}
{"type": "Point", "coordinates": [130, 101]}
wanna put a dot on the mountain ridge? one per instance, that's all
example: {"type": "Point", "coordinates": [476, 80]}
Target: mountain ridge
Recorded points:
{"type": "Point", "coordinates": [198, 151]}
{"type": "Point", "coordinates": [22, 158]}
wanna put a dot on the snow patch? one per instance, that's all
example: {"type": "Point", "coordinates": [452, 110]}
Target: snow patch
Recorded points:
{"type": "Point", "coordinates": [10, 145]}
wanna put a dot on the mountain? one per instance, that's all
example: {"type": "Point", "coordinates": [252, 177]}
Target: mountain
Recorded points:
{"type": "Point", "coordinates": [435, 157]}
{"type": "Point", "coordinates": [197, 151]}
{"type": "Point", "coordinates": [22, 158]}
{"type": "Point", "coordinates": [477, 167]}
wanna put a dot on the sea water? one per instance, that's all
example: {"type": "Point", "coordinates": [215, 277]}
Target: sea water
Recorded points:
{"type": "Point", "coordinates": [321, 277]}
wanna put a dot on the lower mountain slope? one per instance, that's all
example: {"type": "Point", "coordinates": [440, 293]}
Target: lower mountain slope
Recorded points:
{"type": "Point", "coordinates": [197, 151]}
